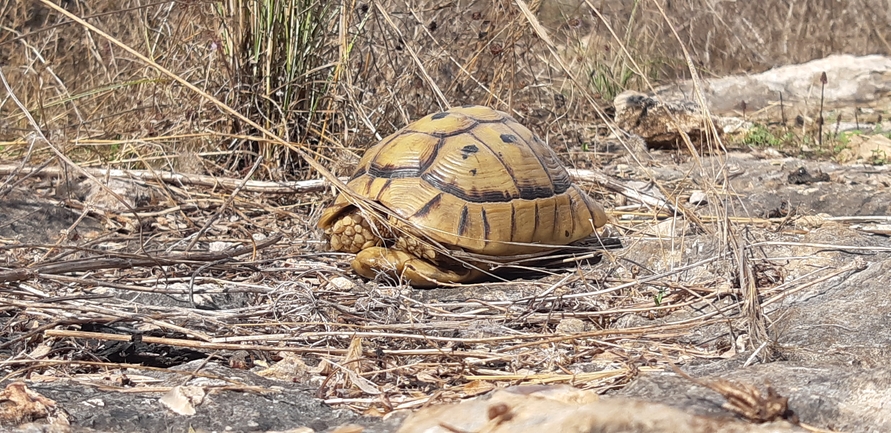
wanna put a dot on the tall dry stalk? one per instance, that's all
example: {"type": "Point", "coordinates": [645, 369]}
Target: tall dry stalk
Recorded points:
{"type": "Point", "coordinates": [281, 62]}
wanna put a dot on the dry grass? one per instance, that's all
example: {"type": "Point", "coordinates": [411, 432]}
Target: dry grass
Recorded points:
{"type": "Point", "coordinates": [82, 88]}
{"type": "Point", "coordinates": [379, 348]}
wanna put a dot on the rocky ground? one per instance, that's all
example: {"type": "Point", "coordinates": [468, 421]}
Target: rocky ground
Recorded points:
{"type": "Point", "coordinates": [816, 230]}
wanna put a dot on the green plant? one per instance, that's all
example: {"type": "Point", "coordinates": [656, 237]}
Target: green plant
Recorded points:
{"type": "Point", "coordinates": [281, 56]}
{"type": "Point", "coordinates": [612, 67]}
{"type": "Point", "coordinates": [844, 137]}
{"type": "Point", "coordinates": [760, 135]}
{"type": "Point", "coordinates": [879, 157]}
{"type": "Point", "coordinates": [610, 80]}
{"type": "Point", "coordinates": [658, 296]}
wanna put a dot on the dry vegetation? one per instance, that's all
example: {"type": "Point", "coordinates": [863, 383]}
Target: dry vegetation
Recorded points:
{"type": "Point", "coordinates": [347, 75]}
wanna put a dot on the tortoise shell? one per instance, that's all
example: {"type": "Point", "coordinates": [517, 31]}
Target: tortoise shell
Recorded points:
{"type": "Point", "coordinates": [472, 178]}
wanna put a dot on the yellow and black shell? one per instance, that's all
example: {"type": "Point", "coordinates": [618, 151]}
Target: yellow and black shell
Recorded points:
{"type": "Point", "coordinates": [470, 178]}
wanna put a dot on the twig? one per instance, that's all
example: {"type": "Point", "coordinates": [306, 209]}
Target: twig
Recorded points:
{"type": "Point", "coordinates": [606, 182]}
{"type": "Point", "coordinates": [313, 185]}
{"type": "Point", "coordinates": [176, 342]}
{"type": "Point", "coordinates": [820, 119]}
{"type": "Point", "coordinates": [216, 215]}
{"type": "Point", "coordinates": [443, 101]}
{"type": "Point", "coordinates": [92, 264]}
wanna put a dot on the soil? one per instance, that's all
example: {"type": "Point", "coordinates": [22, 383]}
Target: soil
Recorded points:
{"type": "Point", "coordinates": [828, 338]}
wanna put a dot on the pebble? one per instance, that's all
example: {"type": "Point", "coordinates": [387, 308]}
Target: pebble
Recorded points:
{"type": "Point", "coordinates": [698, 197]}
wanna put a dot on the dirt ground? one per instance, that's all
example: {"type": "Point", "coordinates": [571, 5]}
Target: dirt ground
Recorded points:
{"type": "Point", "coordinates": [820, 269]}
{"type": "Point", "coordinates": [191, 290]}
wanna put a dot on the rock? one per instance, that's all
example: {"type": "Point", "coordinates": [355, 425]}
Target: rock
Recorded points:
{"type": "Point", "coordinates": [659, 123]}
{"type": "Point", "coordinates": [571, 325]}
{"type": "Point", "coordinates": [698, 197]}
{"type": "Point", "coordinates": [802, 177]}
{"type": "Point", "coordinates": [100, 196]}
{"type": "Point", "coordinates": [872, 149]}
{"type": "Point", "coordinates": [764, 186]}
{"type": "Point", "coordinates": [830, 396]}
{"type": "Point", "coordinates": [851, 81]}
{"type": "Point", "coordinates": [565, 409]}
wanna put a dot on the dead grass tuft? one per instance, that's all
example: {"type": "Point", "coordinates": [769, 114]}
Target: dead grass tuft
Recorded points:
{"type": "Point", "coordinates": [748, 401]}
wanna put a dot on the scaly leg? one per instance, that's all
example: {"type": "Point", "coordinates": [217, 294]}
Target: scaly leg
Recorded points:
{"type": "Point", "coordinates": [418, 272]}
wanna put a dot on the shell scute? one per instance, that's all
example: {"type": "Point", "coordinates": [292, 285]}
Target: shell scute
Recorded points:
{"type": "Point", "coordinates": [473, 178]}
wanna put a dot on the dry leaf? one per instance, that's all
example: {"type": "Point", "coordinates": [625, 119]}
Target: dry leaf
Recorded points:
{"type": "Point", "coordinates": [40, 351]}
{"type": "Point", "coordinates": [429, 378]}
{"type": "Point", "coordinates": [18, 404]}
{"type": "Point", "coordinates": [746, 400]}
{"type": "Point", "coordinates": [291, 368]}
{"type": "Point", "coordinates": [478, 387]}
{"type": "Point", "coordinates": [349, 428]}
{"type": "Point", "coordinates": [183, 399]}
{"type": "Point", "coordinates": [374, 412]}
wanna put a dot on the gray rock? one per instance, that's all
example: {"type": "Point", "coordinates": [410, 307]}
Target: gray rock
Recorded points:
{"type": "Point", "coordinates": [851, 81]}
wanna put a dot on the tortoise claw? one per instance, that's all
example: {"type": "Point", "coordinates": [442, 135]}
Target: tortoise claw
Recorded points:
{"type": "Point", "coordinates": [419, 273]}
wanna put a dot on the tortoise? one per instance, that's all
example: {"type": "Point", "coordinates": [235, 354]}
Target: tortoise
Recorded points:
{"type": "Point", "coordinates": [471, 179]}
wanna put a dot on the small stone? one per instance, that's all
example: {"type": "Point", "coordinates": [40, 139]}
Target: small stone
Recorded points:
{"type": "Point", "coordinates": [341, 283]}
{"type": "Point", "coordinates": [571, 325]}
{"type": "Point", "coordinates": [219, 246]}
{"type": "Point", "coordinates": [771, 153]}
{"type": "Point", "coordinates": [95, 402]}
{"type": "Point", "coordinates": [183, 399]}
{"type": "Point", "coordinates": [623, 168]}
{"type": "Point", "coordinates": [698, 197]}
{"type": "Point", "coordinates": [875, 150]}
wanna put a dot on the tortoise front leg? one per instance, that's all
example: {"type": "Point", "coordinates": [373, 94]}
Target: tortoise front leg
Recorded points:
{"type": "Point", "coordinates": [396, 263]}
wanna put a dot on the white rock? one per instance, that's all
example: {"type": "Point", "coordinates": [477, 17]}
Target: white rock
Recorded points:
{"type": "Point", "coordinates": [851, 80]}
{"type": "Point", "coordinates": [698, 197]}
{"type": "Point", "coordinates": [341, 283]}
